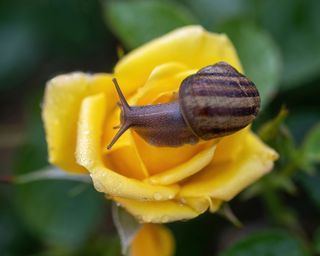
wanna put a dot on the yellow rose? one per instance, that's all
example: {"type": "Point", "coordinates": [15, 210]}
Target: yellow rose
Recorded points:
{"type": "Point", "coordinates": [155, 184]}
{"type": "Point", "coordinates": [152, 240]}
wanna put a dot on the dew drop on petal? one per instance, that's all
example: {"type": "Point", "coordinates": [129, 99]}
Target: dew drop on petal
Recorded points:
{"type": "Point", "coordinates": [157, 196]}
{"type": "Point", "coordinates": [98, 186]}
{"type": "Point", "coordinates": [164, 218]}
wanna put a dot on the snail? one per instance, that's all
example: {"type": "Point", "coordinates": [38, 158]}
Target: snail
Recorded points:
{"type": "Point", "coordinates": [214, 102]}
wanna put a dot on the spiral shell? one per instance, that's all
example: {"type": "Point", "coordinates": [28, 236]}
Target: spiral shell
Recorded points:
{"type": "Point", "coordinates": [218, 101]}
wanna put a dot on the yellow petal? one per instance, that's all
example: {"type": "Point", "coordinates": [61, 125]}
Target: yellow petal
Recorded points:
{"type": "Point", "coordinates": [124, 154]}
{"type": "Point", "coordinates": [163, 211]}
{"type": "Point", "coordinates": [215, 204]}
{"type": "Point", "coordinates": [164, 79]}
{"type": "Point", "coordinates": [153, 240]}
{"type": "Point", "coordinates": [185, 169]}
{"type": "Point", "coordinates": [199, 204]}
{"type": "Point", "coordinates": [229, 147]}
{"type": "Point", "coordinates": [191, 46]}
{"type": "Point", "coordinates": [89, 154]}
{"type": "Point", "coordinates": [63, 97]}
{"type": "Point", "coordinates": [224, 181]}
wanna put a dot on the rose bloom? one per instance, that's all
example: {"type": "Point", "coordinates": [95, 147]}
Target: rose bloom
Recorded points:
{"type": "Point", "coordinates": [155, 184]}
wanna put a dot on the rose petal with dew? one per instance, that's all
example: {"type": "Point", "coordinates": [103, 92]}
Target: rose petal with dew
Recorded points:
{"type": "Point", "coordinates": [89, 155]}
{"type": "Point", "coordinates": [224, 181]}
{"type": "Point", "coordinates": [158, 211]}
{"type": "Point", "coordinates": [61, 106]}
{"type": "Point", "coordinates": [185, 169]}
{"type": "Point", "coordinates": [152, 240]}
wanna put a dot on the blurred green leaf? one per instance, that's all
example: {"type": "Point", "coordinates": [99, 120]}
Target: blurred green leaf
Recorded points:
{"type": "Point", "coordinates": [61, 213]}
{"type": "Point", "coordinates": [51, 173]}
{"type": "Point", "coordinates": [311, 145]}
{"type": "Point", "coordinates": [275, 181]}
{"type": "Point", "coordinates": [72, 28]}
{"type": "Point", "coordinates": [269, 130]}
{"type": "Point", "coordinates": [276, 134]}
{"type": "Point", "coordinates": [211, 13]}
{"type": "Point", "coordinates": [102, 246]}
{"type": "Point", "coordinates": [259, 55]}
{"type": "Point", "coordinates": [294, 24]}
{"type": "Point", "coordinates": [127, 226]}
{"type": "Point", "coordinates": [266, 243]}
{"type": "Point", "coordinates": [311, 184]}
{"type": "Point", "coordinates": [19, 51]}
{"type": "Point", "coordinates": [14, 240]}
{"type": "Point", "coordinates": [316, 240]}
{"type": "Point", "coordinates": [301, 120]}
{"type": "Point", "coordinates": [137, 22]}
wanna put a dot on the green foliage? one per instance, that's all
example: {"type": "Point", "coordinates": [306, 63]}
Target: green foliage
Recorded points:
{"type": "Point", "coordinates": [136, 22]}
{"type": "Point", "coordinates": [316, 241]}
{"type": "Point", "coordinates": [311, 185]}
{"type": "Point", "coordinates": [267, 243]}
{"type": "Point", "coordinates": [311, 146]}
{"type": "Point", "coordinates": [213, 13]}
{"type": "Point", "coordinates": [15, 62]}
{"type": "Point", "coordinates": [294, 25]}
{"type": "Point", "coordinates": [278, 45]}
{"type": "Point", "coordinates": [270, 129]}
{"type": "Point", "coordinates": [62, 213]}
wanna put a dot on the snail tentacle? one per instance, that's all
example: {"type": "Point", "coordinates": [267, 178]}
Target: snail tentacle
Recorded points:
{"type": "Point", "coordinates": [125, 109]}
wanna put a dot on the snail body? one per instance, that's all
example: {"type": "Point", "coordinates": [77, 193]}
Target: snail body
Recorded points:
{"type": "Point", "coordinates": [214, 102]}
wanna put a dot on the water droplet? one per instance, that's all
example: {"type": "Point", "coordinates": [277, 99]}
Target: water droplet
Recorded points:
{"type": "Point", "coordinates": [164, 218]}
{"type": "Point", "coordinates": [98, 185]}
{"type": "Point", "coordinates": [157, 196]}
{"type": "Point", "coordinates": [146, 219]}
{"type": "Point", "coordinates": [183, 200]}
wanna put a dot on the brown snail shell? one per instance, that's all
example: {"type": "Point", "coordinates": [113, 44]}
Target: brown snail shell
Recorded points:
{"type": "Point", "coordinates": [214, 102]}
{"type": "Point", "coordinates": [218, 101]}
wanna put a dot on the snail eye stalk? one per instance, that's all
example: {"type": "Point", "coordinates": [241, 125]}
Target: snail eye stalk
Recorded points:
{"type": "Point", "coordinates": [125, 108]}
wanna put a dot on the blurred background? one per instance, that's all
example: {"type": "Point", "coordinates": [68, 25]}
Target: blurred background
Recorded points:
{"type": "Point", "coordinates": [279, 45]}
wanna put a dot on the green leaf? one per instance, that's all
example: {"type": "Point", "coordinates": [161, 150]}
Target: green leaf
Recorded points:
{"type": "Point", "coordinates": [266, 243]}
{"type": "Point", "coordinates": [259, 55]}
{"type": "Point", "coordinates": [14, 240]}
{"type": "Point", "coordinates": [301, 120]}
{"type": "Point", "coordinates": [103, 245]}
{"type": "Point", "coordinates": [316, 240]}
{"type": "Point", "coordinates": [16, 62]}
{"type": "Point", "coordinates": [294, 24]}
{"type": "Point", "coordinates": [311, 145]}
{"type": "Point", "coordinates": [211, 13]}
{"type": "Point", "coordinates": [50, 173]}
{"type": "Point", "coordinates": [61, 213]}
{"type": "Point", "coordinates": [137, 22]}
{"type": "Point", "coordinates": [310, 184]}
{"type": "Point", "coordinates": [269, 130]}
{"type": "Point", "coordinates": [127, 226]}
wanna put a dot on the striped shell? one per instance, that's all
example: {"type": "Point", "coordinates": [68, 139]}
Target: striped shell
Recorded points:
{"type": "Point", "coordinates": [218, 101]}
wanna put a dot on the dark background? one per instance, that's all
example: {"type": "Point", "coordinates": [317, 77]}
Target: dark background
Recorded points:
{"type": "Point", "coordinates": [279, 45]}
